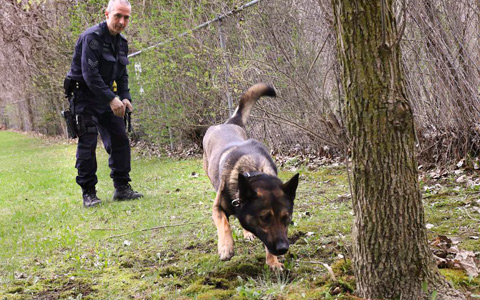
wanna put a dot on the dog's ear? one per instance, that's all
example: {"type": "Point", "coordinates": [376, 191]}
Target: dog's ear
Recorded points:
{"type": "Point", "coordinates": [245, 190]}
{"type": "Point", "coordinates": [290, 187]}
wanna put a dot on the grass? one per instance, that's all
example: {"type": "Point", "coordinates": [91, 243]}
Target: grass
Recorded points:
{"type": "Point", "coordinates": [164, 246]}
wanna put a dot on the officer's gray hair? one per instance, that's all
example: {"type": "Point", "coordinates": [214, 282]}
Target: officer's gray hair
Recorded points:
{"type": "Point", "coordinates": [112, 2]}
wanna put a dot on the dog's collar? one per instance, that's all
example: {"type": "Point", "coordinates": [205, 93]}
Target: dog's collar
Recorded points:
{"type": "Point", "coordinates": [252, 174]}
{"type": "Point", "coordinates": [236, 202]}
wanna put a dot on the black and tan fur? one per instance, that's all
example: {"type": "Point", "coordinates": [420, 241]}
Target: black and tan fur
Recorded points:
{"type": "Point", "coordinates": [245, 179]}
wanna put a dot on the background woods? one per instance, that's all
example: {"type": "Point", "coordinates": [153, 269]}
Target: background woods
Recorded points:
{"type": "Point", "coordinates": [184, 83]}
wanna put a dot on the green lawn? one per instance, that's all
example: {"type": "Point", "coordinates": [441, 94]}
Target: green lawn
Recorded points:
{"type": "Point", "coordinates": [164, 245]}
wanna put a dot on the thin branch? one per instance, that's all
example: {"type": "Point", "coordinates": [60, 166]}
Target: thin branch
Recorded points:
{"type": "Point", "coordinates": [149, 229]}
{"type": "Point", "coordinates": [383, 23]}
{"type": "Point", "coordinates": [281, 119]}
{"type": "Point", "coordinates": [329, 269]}
{"type": "Point", "coordinates": [402, 28]}
{"type": "Point", "coordinates": [318, 55]}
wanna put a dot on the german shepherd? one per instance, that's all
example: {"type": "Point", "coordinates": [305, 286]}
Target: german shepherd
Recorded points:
{"type": "Point", "coordinates": [245, 179]}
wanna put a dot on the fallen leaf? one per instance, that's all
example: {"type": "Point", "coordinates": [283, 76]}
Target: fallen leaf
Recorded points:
{"type": "Point", "coordinates": [467, 262]}
{"type": "Point", "coordinates": [461, 179]}
{"type": "Point", "coordinates": [476, 165]}
{"type": "Point", "coordinates": [447, 256]}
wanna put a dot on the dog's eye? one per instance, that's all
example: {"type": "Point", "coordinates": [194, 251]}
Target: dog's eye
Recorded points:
{"type": "Point", "coordinates": [266, 218]}
{"type": "Point", "coordinates": [286, 220]}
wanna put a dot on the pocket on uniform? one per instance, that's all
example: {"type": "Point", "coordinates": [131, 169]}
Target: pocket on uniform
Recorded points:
{"type": "Point", "coordinates": [106, 67]}
{"type": "Point", "coordinates": [107, 56]}
{"type": "Point", "coordinates": [123, 60]}
{"type": "Point", "coordinates": [79, 110]}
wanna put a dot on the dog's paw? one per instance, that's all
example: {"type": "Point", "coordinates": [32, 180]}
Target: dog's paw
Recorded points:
{"type": "Point", "coordinates": [248, 235]}
{"type": "Point", "coordinates": [225, 252]}
{"type": "Point", "coordinates": [276, 266]}
{"type": "Point", "coordinates": [273, 263]}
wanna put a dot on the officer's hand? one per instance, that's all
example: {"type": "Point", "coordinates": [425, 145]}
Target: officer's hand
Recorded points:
{"type": "Point", "coordinates": [117, 107]}
{"type": "Point", "coordinates": [128, 104]}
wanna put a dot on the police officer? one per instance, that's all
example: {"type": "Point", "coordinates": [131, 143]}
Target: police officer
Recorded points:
{"type": "Point", "coordinates": [99, 59]}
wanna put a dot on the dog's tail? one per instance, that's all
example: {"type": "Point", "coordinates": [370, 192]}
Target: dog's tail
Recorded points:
{"type": "Point", "coordinates": [241, 114]}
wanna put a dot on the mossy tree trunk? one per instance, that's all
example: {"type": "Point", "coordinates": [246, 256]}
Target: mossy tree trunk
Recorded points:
{"type": "Point", "coordinates": [391, 254]}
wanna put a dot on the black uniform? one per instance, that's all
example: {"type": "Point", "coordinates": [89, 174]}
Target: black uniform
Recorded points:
{"type": "Point", "coordinates": [99, 60]}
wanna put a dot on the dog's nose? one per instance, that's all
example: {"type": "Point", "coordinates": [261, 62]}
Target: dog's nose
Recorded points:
{"type": "Point", "coordinates": [281, 247]}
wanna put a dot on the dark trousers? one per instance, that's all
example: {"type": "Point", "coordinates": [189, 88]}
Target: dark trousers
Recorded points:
{"type": "Point", "coordinates": [116, 143]}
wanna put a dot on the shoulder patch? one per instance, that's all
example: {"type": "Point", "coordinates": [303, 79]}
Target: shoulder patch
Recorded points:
{"type": "Point", "coordinates": [94, 44]}
{"type": "Point", "coordinates": [92, 63]}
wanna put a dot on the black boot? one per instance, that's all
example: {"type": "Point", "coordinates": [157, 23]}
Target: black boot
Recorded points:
{"type": "Point", "coordinates": [125, 192]}
{"type": "Point", "coordinates": [90, 198]}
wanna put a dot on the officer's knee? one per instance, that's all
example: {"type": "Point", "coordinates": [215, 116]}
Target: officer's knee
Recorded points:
{"type": "Point", "coordinates": [86, 125]}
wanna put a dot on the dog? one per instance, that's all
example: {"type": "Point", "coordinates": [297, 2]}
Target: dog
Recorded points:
{"type": "Point", "coordinates": [245, 179]}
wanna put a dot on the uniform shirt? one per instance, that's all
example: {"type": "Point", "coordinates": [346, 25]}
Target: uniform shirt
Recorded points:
{"type": "Point", "coordinates": [93, 65]}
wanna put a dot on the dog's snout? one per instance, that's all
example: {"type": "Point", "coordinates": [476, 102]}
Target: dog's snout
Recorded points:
{"type": "Point", "coordinates": [281, 247]}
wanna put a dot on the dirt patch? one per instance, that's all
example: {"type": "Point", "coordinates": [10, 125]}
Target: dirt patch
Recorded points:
{"type": "Point", "coordinates": [60, 290]}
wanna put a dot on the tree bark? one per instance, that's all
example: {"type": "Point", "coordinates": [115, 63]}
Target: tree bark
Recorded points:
{"type": "Point", "coordinates": [391, 256]}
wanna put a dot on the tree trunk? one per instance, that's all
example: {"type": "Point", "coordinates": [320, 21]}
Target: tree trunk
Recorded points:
{"type": "Point", "coordinates": [390, 254]}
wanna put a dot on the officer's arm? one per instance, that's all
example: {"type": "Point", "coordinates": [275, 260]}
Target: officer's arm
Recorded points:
{"type": "Point", "coordinates": [122, 78]}
{"type": "Point", "coordinates": [122, 83]}
{"type": "Point", "coordinates": [91, 57]}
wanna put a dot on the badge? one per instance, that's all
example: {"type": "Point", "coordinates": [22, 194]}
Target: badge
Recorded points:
{"type": "Point", "coordinates": [94, 45]}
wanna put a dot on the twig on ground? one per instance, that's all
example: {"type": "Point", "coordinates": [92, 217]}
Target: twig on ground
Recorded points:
{"type": "Point", "coordinates": [329, 269]}
{"type": "Point", "coordinates": [148, 229]}
{"type": "Point", "coordinates": [468, 214]}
